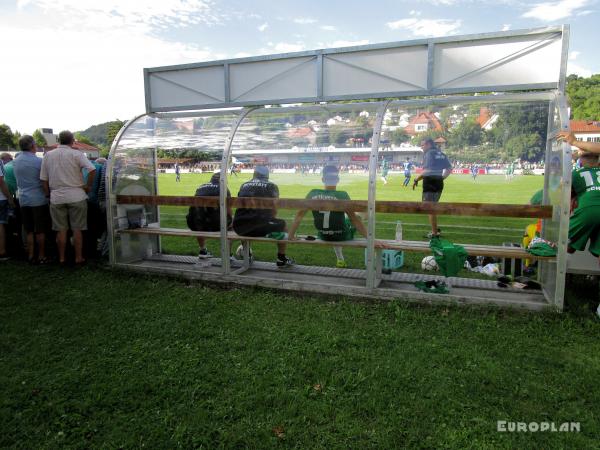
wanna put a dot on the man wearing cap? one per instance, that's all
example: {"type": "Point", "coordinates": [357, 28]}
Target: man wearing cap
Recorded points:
{"type": "Point", "coordinates": [436, 168]}
{"type": "Point", "coordinates": [262, 222]}
{"type": "Point", "coordinates": [332, 225]}
{"type": "Point", "coordinates": [207, 218]}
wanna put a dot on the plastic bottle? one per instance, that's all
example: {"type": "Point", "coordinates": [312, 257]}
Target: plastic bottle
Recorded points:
{"type": "Point", "coordinates": [398, 231]}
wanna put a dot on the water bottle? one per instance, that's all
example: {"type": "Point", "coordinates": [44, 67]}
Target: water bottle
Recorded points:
{"type": "Point", "coordinates": [398, 231]}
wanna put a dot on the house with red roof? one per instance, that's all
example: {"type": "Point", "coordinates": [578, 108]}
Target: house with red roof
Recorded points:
{"type": "Point", "coordinates": [586, 130]}
{"type": "Point", "coordinates": [91, 151]}
{"type": "Point", "coordinates": [422, 122]}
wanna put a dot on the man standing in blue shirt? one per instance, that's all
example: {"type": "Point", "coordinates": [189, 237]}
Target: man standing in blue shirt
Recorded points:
{"type": "Point", "coordinates": [34, 203]}
{"type": "Point", "coordinates": [436, 168]}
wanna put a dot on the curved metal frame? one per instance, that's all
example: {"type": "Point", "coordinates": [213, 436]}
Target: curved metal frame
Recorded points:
{"type": "Point", "coordinates": [556, 98]}
{"type": "Point", "coordinates": [225, 266]}
{"type": "Point", "coordinates": [108, 177]}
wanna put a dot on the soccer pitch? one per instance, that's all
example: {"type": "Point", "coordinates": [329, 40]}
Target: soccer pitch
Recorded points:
{"type": "Point", "coordinates": [459, 229]}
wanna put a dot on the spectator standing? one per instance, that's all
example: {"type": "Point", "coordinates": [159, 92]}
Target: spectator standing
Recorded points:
{"type": "Point", "coordinates": [6, 202]}
{"type": "Point", "coordinates": [436, 168]}
{"type": "Point", "coordinates": [61, 173]}
{"type": "Point", "coordinates": [34, 203]}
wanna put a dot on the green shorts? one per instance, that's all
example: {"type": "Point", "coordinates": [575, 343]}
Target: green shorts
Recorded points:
{"type": "Point", "coordinates": [69, 215]}
{"type": "Point", "coordinates": [346, 234]}
{"type": "Point", "coordinates": [583, 226]}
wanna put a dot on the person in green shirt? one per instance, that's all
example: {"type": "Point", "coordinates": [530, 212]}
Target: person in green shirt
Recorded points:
{"type": "Point", "coordinates": [9, 173]}
{"type": "Point", "coordinates": [584, 224]}
{"type": "Point", "coordinates": [385, 168]}
{"type": "Point", "coordinates": [331, 225]}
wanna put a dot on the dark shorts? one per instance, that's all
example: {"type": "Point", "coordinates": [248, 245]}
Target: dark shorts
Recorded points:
{"type": "Point", "coordinates": [432, 189]}
{"type": "Point", "coordinates": [258, 228]}
{"type": "Point", "coordinates": [3, 211]}
{"type": "Point", "coordinates": [35, 218]}
{"type": "Point", "coordinates": [584, 226]}
{"type": "Point", "coordinates": [431, 196]}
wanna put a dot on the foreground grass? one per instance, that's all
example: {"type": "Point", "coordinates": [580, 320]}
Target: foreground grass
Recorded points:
{"type": "Point", "coordinates": [95, 358]}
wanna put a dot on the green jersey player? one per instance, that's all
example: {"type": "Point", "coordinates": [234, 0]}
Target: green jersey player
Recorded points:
{"type": "Point", "coordinates": [331, 225]}
{"type": "Point", "coordinates": [584, 224]}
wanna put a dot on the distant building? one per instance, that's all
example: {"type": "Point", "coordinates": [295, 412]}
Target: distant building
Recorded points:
{"type": "Point", "coordinates": [586, 130]}
{"type": "Point", "coordinates": [486, 119]}
{"type": "Point", "coordinates": [90, 151]}
{"type": "Point", "coordinates": [422, 122]}
{"type": "Point", "coordinates": [49, 135]}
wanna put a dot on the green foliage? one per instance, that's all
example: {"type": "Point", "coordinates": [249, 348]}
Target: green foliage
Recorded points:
{"type": "Point", "coordinates": [16, 137]}
{"type": "Point", "coordinates": [429, 134]}
{"type": "Point", "coordinates": [513, 133]}
{"type": "Point", "coordinates": [112, 131]}
{"type": "Point", "coordinates": [39, 138]}
{"type": "Point", "coordinates": [80, 137]}
{"type": "Point", "coordinates": [106, 359]}
{"type": "Point", "coordinates": [584, 97]}
{"type": "Point", "coordinates": [399, 136]}
{"type": "Point", "coordinates": [338, 134]}
{"type": "Point", "coordinates": [465, 134]}
{"type": "Point", "coordinates": [6, 137]}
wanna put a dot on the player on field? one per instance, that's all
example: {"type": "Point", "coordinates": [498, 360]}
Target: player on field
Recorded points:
{"type": "Point", "coordinates": [384, 171]}
{"type": "Point", "coordinates": [177, 173]}
{"type": "Point", "coordinates": [262, 222]}
{"type": "Point", "coordinates": [331, 225]}
{"type": "Point", "coordinates": [474, 171]}
{"type": "Point", "coordinates": [407, 165]}
{"type": "Point", "coordinates": [206, 218]}
{"type": "Point", "coordinates": [584, 224]}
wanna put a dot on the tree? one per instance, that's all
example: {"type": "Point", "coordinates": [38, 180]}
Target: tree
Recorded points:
{"type": "Point", "coordinates": [16, 137]}
{"type": "Point", "coordinates": [399, 136]}
{"type": "Point", "coordinates": [6, 137]}
{"type": "Point", "coordinates": [584, 97]}
{"type": "Point", "coordinates": [519, 122]}
{"type": "Point", "coordinates": [84, 139]}
{"type": "Point", "coordinates": [39, 138]}
{"type": "Point", "coordinates": [113, 130]}
{"type": "Point", "coordinates": [465, 134]}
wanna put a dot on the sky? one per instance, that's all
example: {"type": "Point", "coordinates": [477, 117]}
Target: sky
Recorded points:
{"type": "Point", "coordinates": [70, 64]}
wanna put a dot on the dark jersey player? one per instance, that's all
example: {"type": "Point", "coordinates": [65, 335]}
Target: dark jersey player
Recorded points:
{"type": "Point", "coordinates": [436, 168]}
{"type": "Point", "coordinates": [207, 218]}
{"type": "Point", "coordinates": [584, 224]}
{"type": "Point", "coordinates": [256, 222]}
{"type": "Point", "coordinates": [331, 225]}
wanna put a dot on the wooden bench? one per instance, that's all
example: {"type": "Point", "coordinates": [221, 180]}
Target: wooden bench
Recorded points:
{"type": "Point", "coordinates": [380, 244]}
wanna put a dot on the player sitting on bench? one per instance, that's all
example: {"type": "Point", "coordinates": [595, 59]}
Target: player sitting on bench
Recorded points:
{"type": "Point", "coordinates": [331, 225]}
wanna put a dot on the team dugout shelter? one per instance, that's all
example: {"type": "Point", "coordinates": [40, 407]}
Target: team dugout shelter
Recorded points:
{"type": "Point", "coordinates": [296, 113]}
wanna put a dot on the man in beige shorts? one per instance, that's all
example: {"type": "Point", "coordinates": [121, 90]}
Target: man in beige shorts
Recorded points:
{"type": "Point", "coordinates": [61, 174]}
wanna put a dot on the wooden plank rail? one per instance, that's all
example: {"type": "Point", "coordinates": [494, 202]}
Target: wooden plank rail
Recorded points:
{"type": "Point", "coordinates": [454, 209]}
{"type": "Point", "coordinates": [408, 246]}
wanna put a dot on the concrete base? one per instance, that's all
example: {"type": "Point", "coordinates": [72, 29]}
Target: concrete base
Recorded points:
{"type": "Point", "coordinates": [348, 282]}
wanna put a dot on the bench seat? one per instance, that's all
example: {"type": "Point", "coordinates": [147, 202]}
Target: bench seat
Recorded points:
{"type": "Point", "coordinates": [382, 244]}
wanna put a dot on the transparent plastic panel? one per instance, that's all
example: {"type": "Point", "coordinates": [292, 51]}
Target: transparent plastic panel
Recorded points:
{"type": "Point", "coordinates": [313, 153]}
{"type": "Point", "coordinates": [497, 152]}
{"type": "Point", "coordinates": [165, 155]}
{"type": "Point", "coordinates": [553, 196]}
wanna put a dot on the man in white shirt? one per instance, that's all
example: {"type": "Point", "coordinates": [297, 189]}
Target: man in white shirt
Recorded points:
{"type": "Point", "coordinates": [62, 175]}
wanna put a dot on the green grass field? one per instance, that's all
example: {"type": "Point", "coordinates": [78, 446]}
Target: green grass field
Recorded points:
{"type": "Point", "coordinates": [99, 358]}
{"type": "Point", "coordinates": [460, 229]}
{"type": "Point", "coordinates": [95, 358]}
